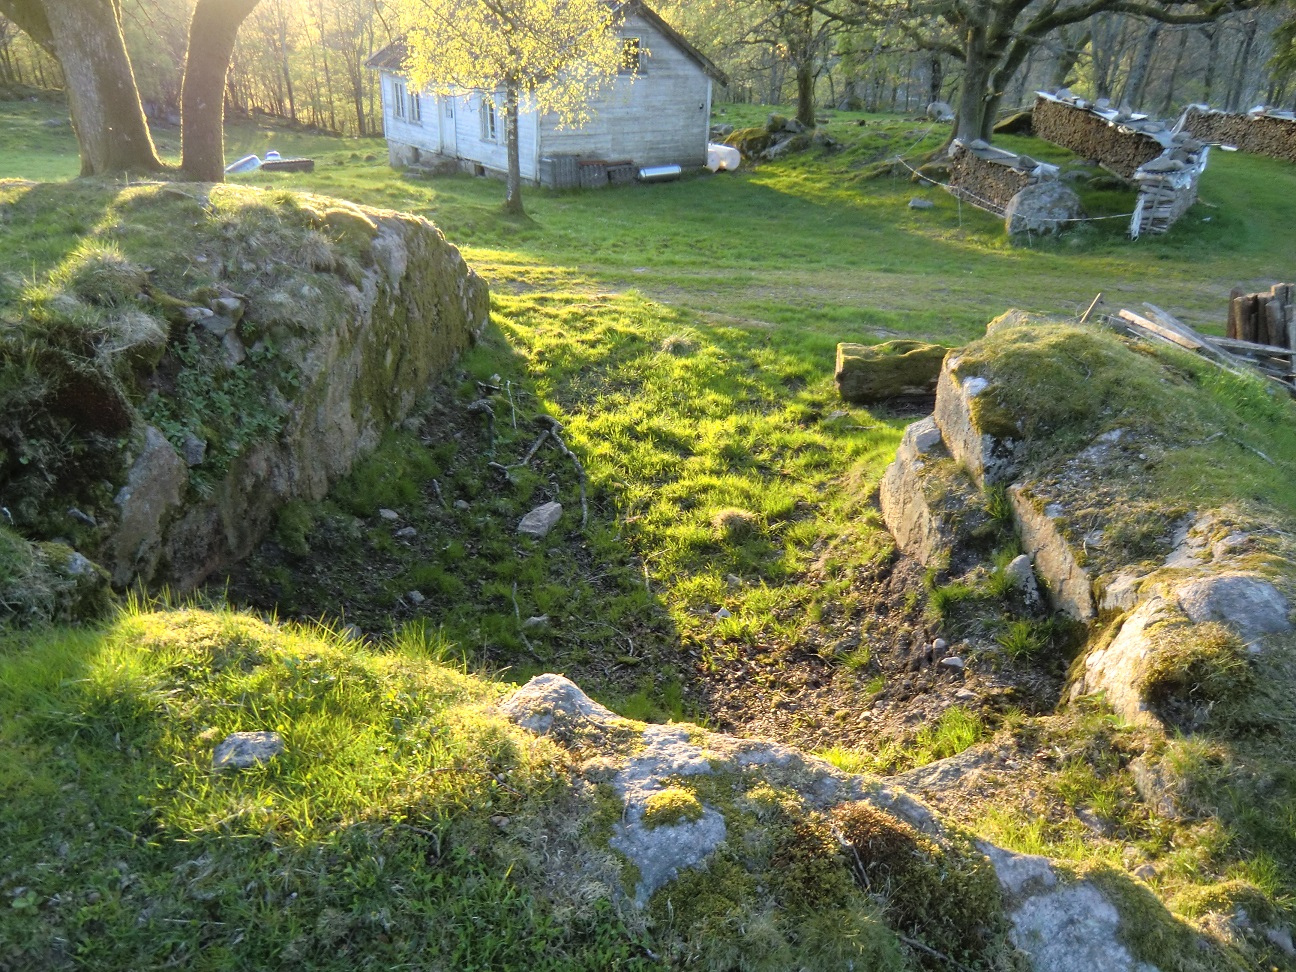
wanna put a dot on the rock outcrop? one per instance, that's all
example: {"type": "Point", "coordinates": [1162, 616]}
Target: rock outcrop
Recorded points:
{"type": "Point", "coordinates": [251, 369]}
{"type": "Point", "coordinates": [1220, 594]}
{"type": "Point", "coordinates": [747, 795]}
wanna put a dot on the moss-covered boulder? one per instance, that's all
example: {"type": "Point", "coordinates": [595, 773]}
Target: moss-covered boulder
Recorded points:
{"type": "Point", "coordinates": [868, 373]}
{"type": "Point", "coordinates": [201, 357]}
{"type": "Point", "coordinates": [751, 142]}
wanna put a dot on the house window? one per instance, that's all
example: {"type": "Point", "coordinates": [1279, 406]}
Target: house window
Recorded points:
{"type": "Point", "coordinates": [398, 98]}
{"type": "Point", "coordinates": [631, 56]}
{"type": "Point", "coordinates": [416, 109]}
{"type": "Point", "coordinates": [490, 128]}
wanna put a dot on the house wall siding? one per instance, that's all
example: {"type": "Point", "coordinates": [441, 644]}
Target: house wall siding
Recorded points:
{"type": "Point", "coordinates": [465, 142]}
{"type": "Point", "coordinates": [658, 119]}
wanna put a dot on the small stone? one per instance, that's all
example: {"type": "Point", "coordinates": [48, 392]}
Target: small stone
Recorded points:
{"type": "Point", "coordinates": [241, 750]}
{"type": "Point", "coordinates": [836, 414]}
{"type": "Point", "coordinates": [462, 505]}
{"type": "Point", "coordinates": [1145, 872]}
{"type": "Point", "coordinates": [541, 520]}
{"type": "Point", "coordinates": [220, 326]}
{"type": "Point", "coordinates": [722, 614]}
{"type": "Point", "coordinates": [406, 533]}
{"type": "Point", "coordinates": [195, 315]}
{"type": "Point", "coordinates": [965, 695]}
{"type": "Point", "coordinates": [235, 353]}
{"type": "Point", "coordinates": [391, 516]}
{"type": "Point", "coordinates": [1022, 575]}
{"type": "Point", "coordinates": [733, 580]}
{"type": "Point", "coordinates": [85, 519]}
{"type": "Point", "coordinates": [535, 621]}
{"type": "Point", "coordinates": [919, 203]}
{"type": "Point", "coordinates": [499, 820]}
{"type": "Point", "coordinates": [352, 633]}
{"type": "Point", "coordinates": [415, 597]}
{"type": "Point", "coordinates": [1281, 937]}
{"type": "Point", "coordinates": [940, 644]}
{"type": "Point", "coordinates": [79, 565]}
{"type": "Point", "coordinates": [228, 307]}
{"type": "Point", "coordinates": [193, 450]}
{"type": "Point", "coordinates": [953, 661]}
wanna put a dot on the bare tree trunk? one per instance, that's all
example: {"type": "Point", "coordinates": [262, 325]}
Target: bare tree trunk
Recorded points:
{"type": "Point", "coordinates": [937, 78]}
{"type": "Point", "coordinates": [513, 193]}
{"type": "Point", "coordinates": [1137, 80]}
{"type": "Point", "coordinates": [970, 122]}
{"type": "Point", "coordinates": [1168, 101]}
{"type": "Point", "coordinates": [805, 81]}
{"type": "Point", "coordinates": [1237, 89]}
{"type": "Point", "coordinates": [1068, 57]}
{"type": "Point", "coordinates": [1212, 56]}
{"type": "Point", "coordinates": [212, 33]}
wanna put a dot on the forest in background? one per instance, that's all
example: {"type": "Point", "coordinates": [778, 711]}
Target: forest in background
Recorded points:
{"type": "Point", "coordinates": [303, 61]}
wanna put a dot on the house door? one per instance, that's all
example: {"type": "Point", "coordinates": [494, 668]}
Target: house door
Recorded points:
{"type": "Point", "coordinates": [449, 137]}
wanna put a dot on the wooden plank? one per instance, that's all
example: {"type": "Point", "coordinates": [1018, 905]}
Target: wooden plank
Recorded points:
{"type": "Point", "coordinates": [1267, 349]}
{"type": "Point", "coordinates": [1164, 333]}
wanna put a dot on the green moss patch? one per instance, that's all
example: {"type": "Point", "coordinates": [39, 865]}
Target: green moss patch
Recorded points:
{"type": "Point", "coordinates": [673, 805]}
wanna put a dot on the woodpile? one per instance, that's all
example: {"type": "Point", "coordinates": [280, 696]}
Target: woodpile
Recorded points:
{"type": "Point", "coordinates": [1275, 362]}
{"type": "Point", "coordinates": [1260, 132]}
{"type": "Point", "coordinates": [1167, 188]}
{"type": "Point", "coordinates": [1264, 318]}
{"type": "Point", "coordinates": [1117, 141]}
{"type": "Point", "coordinates": [988, 177]}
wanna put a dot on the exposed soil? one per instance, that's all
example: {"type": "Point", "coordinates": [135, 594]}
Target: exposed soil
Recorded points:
{"type": "Point", "coordinates": [814, 693]}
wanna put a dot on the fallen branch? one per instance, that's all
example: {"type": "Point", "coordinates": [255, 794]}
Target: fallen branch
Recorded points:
{"type": "Point", "coordinates": [914, 943]}
{"type": "Point", "coordinates": [483, 407]}
{"type": "Point", "coordinates": [580, 474]}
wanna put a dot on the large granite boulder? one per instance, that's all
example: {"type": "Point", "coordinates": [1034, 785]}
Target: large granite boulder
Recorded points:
{"type": "Point", "coordinates": [1042, 209]}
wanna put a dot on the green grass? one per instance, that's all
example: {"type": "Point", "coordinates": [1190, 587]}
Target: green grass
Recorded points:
{"type": "Point", "coordinates": [365, 845]}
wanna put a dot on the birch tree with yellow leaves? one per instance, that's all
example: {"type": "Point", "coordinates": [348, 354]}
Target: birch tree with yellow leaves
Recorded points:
{"type": "Point", "coordinates": [554, 55]}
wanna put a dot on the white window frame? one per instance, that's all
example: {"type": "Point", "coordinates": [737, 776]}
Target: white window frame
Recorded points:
{"type": "Point", "coordinates": [398, 98]}
{"type": "Point", "coordinates": [415, 109]}
{"type": "Point", "coordinates": [489, 120]}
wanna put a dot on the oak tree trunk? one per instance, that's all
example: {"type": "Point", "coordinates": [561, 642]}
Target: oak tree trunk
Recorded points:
{"type": "Point", "coordinates": [85, 36]}
{"type": "Point", "coordinates": [212, 33]}
{"type": "Point", "coordinates": [971, 120]}
{"type": "Point", "coordinates": [805, 95]}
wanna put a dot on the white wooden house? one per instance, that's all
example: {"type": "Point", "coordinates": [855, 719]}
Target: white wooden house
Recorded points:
{"type": "Point", "coordinates": [658, 112]}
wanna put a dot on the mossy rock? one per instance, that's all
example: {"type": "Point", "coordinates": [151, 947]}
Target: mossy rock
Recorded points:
{"type": "Point", "coordinates": [895, 369]}
{"type": "Point", "coordinates": [751, 142]}
{"type": "Point", "coordinates": [1020, 123]}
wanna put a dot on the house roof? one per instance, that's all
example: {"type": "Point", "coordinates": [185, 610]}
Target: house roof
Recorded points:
{"type": "Point", "coordinates": [392, 57]}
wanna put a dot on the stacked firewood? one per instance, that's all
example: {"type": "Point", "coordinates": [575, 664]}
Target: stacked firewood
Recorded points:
{"type": "Point", "coordinates": [1118, 142]}
{"type": "Point", "coordinates": [1271, 133]}
{"type": "Point", "coordinates": [989, 177]}
{"type": "Point", "coordinates": [1268, 318]}
{"type": "Point", "coordinates": [1167, 187]}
